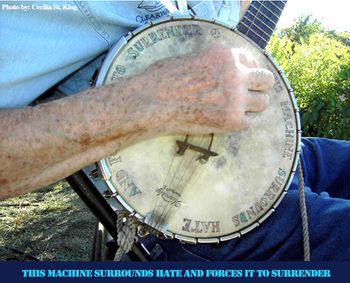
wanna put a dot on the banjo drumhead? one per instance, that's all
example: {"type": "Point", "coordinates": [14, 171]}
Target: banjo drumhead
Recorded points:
{"type": "Point", "coordinates": [181, 195]}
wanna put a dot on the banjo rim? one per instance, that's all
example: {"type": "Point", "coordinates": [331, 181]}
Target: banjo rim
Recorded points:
{"type": "Point", "coordinates": [104, 168]}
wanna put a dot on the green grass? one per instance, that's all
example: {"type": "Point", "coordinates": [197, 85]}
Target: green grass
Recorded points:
{"type": "Point", "coordinates": [49, 224]}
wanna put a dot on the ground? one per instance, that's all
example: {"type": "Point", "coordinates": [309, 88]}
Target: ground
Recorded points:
{"type": "Point", "coordinates": [51, 224]}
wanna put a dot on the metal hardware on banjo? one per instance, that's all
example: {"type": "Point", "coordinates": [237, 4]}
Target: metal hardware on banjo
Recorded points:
{"type": "Point", "coordinates": [210, 188]}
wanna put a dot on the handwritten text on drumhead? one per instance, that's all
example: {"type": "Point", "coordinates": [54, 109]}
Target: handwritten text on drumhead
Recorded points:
{"type": "Point", "coordinates": [288, 151]}
{"type": "Point", "coordinates": [269, 196]}
{"type": "Point", "coordinates": [197, 226]}
{"type": "Point", "coordinates": [127, 184]}
{"type": "Point", "coordinates": [161, 34]}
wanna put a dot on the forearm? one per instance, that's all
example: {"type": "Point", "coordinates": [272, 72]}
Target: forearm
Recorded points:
{"type": "Point", "coordinates": [40, 145]}
{"type": "Point", "coordinates": [204, 92]}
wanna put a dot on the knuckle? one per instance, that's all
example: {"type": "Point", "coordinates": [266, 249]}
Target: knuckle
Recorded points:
{"type": "Point", "coordinates": [260, 79]}
{"type": "Point", "coordinates": [248, 59]}
{"type": "Point", "coordinates": [224, 51]}
{"type": "Point", "coordinates": [270, 78]}
{"type": "Point", "coordinates": [264, 101]}
{"type": "Point", "coordinates": [259, 102]}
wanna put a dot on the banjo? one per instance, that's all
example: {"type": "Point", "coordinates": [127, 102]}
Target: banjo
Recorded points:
{"type": "Point", "coordinates": [216, 187]}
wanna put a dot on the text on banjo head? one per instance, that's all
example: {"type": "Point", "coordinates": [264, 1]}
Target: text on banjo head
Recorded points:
{"type": "Point", "coordinates": [163, 182]}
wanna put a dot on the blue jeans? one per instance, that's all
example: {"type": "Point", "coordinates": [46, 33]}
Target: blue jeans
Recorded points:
{"type": "Point", "coordinates": [326, 165]}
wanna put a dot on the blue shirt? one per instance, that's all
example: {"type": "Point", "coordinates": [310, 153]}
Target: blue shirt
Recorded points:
{"type": "Point", "coordinates": [44, 44]}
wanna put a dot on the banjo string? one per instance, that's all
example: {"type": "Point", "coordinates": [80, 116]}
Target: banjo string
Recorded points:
{"type": "Point", "coordinates": [181, 10]}
{"type": "Point", "coordinates": [161, 210]}
{"type": "Point", "coordinates": [186, 166]}
{"type": "Point", "coordinates": [157, 206]}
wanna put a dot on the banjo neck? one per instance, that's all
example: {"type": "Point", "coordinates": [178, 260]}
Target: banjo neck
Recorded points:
{"type": "Point", "coordinates": [260, 20]}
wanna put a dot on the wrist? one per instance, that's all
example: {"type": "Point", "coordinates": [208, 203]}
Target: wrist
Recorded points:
{"type": "Point", "coordinates": [128, 112]}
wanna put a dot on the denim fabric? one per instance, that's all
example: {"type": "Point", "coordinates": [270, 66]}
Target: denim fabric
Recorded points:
{"type": "Point", "coordinates": [42, 48]}
{"type": "Point", "coordinates": [326, 165]}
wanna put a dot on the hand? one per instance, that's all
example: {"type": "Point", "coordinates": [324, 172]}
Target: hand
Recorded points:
{"type": "Point", "coordinates": [208, 91]}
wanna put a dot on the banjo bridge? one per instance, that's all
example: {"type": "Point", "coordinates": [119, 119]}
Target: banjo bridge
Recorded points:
{"type": "Point", "coordinates": [205, 152]}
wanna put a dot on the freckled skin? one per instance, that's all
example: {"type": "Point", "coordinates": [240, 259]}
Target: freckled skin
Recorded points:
{"type": "Point", "coordinates": [199, 93]}
{"type": "Point", "coordinates": [3, 181]}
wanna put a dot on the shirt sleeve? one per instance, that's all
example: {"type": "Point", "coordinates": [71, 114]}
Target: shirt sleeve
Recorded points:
{"type": "Point", "coordinates": [50, 43]}
{"type": "Point", "coordinates": [326, 165]}
{"type": "Point", "coordinates": [44, 43]}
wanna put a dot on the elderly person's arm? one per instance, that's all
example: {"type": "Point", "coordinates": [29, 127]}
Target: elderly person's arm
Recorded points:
{"type": "Point", "coordinates": [206, 92]}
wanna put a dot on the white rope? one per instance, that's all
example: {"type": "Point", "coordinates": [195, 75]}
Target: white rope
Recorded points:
{"type": "Point", "coordinates": [303, 212]}
{"type": "Point", "coordinates": [126, 228]}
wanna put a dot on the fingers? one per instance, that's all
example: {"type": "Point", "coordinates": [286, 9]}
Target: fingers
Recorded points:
{"type": "Point", "coordinates": [259, 79]}
{"type": "Point", "coordinates": [246, 58]}
{"type": "Point", "coordinates": [256, 101]}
